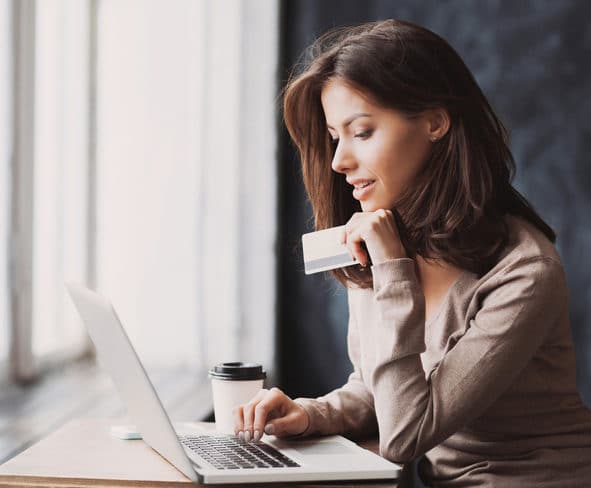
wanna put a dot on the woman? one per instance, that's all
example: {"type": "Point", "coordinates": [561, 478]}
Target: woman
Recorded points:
{"type": "Point", "coordinates": [459, 331]}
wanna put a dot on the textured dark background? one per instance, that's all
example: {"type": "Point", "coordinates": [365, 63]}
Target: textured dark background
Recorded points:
{"type": "Point", "coordinates": [531, 59]}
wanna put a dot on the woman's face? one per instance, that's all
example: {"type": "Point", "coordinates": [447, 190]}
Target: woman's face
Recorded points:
{"type": "Point", "coordinates": [377, 149]}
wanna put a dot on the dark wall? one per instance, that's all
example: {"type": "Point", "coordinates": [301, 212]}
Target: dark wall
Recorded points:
{"type": "Point", "coordinates": [531, 59]}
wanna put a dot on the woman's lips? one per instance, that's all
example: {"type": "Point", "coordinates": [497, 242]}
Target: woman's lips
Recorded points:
{"type": "Point", "coordinates": [362, 191]}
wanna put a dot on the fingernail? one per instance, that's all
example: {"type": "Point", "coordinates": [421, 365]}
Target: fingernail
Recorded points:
{"type": "Point", "coordinates": [269, 429]}
{"type": "Point", "coordinates": [241, 435]}
{"type": "Point", "coordinates": [257, 436]}
{"type": "Point", "coordinates": [247, 436]}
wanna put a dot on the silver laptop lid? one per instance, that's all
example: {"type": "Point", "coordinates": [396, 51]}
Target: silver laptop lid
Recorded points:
{"type": "Point", "coordinates": [119, 359]}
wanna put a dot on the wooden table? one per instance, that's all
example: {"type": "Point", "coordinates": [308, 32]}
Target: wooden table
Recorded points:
{"type": "Point", "coordinates": [84, 454]}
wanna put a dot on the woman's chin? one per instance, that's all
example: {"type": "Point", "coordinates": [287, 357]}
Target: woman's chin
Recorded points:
{"type": "Point", "coordinates": [372, 206]}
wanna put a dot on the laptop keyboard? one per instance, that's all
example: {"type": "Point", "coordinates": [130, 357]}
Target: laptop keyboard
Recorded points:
{"type": "Point", "coordinates": [229, 452]}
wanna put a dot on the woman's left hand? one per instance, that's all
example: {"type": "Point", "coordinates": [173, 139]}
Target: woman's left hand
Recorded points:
{"type": "Point", "coordinates": [379, 232]}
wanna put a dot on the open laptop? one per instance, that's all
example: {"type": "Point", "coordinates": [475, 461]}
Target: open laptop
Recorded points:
{"type": "Point", "coordinates": [211, 457]}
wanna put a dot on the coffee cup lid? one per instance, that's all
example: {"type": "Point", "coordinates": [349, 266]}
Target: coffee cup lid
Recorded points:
{"type": "Point", "coordinates": [237, 371]}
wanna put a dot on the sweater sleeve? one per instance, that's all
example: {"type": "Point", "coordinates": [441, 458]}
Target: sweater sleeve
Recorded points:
{"type": "Point", "coordinates": [416, 411]}
{"type": "Point", "coordinates": [348, 410]}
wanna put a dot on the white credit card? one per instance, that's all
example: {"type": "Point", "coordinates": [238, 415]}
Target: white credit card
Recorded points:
{"type": "Point", "coordinates": [324, 251]}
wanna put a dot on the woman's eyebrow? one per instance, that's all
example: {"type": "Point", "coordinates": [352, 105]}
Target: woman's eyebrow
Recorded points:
{"type": "Point", "coordinates": [351, 119]}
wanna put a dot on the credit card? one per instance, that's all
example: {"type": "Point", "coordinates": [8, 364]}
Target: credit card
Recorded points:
{"type": "Point", "coordinates": [324, 251]}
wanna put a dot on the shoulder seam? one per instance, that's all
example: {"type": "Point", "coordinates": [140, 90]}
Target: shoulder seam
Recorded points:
{"type": "Point", "coordinates": [531, 259]}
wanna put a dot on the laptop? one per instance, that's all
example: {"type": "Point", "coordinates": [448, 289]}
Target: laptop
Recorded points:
{"type": "Point", "coordinates": [212, 458]}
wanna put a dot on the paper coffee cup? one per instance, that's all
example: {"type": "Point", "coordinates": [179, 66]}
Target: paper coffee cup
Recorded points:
{"type": "Point", "coordinates": [233, 384]}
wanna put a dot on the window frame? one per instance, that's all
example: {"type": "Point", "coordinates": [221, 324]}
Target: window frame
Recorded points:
{"type": "Point", "coordinates": [22, 168]}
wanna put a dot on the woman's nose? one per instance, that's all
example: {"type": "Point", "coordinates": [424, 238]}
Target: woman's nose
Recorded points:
{"type": "Point", "coordinates": [342, 159]}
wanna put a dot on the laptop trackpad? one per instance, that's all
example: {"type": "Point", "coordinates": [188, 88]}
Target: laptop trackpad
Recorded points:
{"type": "Point", "coordinates": [321, 448]}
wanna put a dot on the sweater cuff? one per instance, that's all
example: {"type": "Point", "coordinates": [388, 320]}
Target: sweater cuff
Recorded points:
{"type": "Point", "coordinates": [314, 416]}
{"type": "Point", "coordinates": [402, 269]}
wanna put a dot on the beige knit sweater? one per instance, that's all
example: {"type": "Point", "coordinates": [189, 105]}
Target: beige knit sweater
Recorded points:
{"type": "Point", "coordinates": [485, 390]}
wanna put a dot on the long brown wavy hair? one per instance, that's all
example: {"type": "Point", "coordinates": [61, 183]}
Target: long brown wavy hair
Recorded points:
{"type": "Point", "coordinates": [454, 211]}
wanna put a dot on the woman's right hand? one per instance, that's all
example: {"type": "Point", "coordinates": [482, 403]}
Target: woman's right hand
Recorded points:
{"type": "Point", "coordinates": [272, 412]}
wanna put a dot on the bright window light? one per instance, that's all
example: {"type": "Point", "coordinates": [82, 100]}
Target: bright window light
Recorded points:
{"type": "Point", "coordinates": [60, 178]}
{"type": "Point", "coordinates": [148, 139]}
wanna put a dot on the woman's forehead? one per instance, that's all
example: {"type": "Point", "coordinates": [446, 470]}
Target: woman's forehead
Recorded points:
{"type": "Point", "coordinates": [341, 101]}
{"type": "Point", "coordinates": [337, 88]}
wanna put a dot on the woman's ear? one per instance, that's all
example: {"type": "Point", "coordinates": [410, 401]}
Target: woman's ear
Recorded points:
{"type": "Point", "coordinates": [438, 123]}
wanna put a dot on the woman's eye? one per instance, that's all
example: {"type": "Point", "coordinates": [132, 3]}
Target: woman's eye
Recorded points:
{"type": "Point", "coordinates": [364, 134]}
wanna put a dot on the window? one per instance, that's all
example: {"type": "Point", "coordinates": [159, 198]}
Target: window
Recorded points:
{"type": "Point", "coordinates": [149, 134]}
{"type": "Point", "coordinates": [49, 194]}
{"type": "Point", "coordinates": [60, 173]}
{"type": "Point", "coordinates": [146, 139]}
